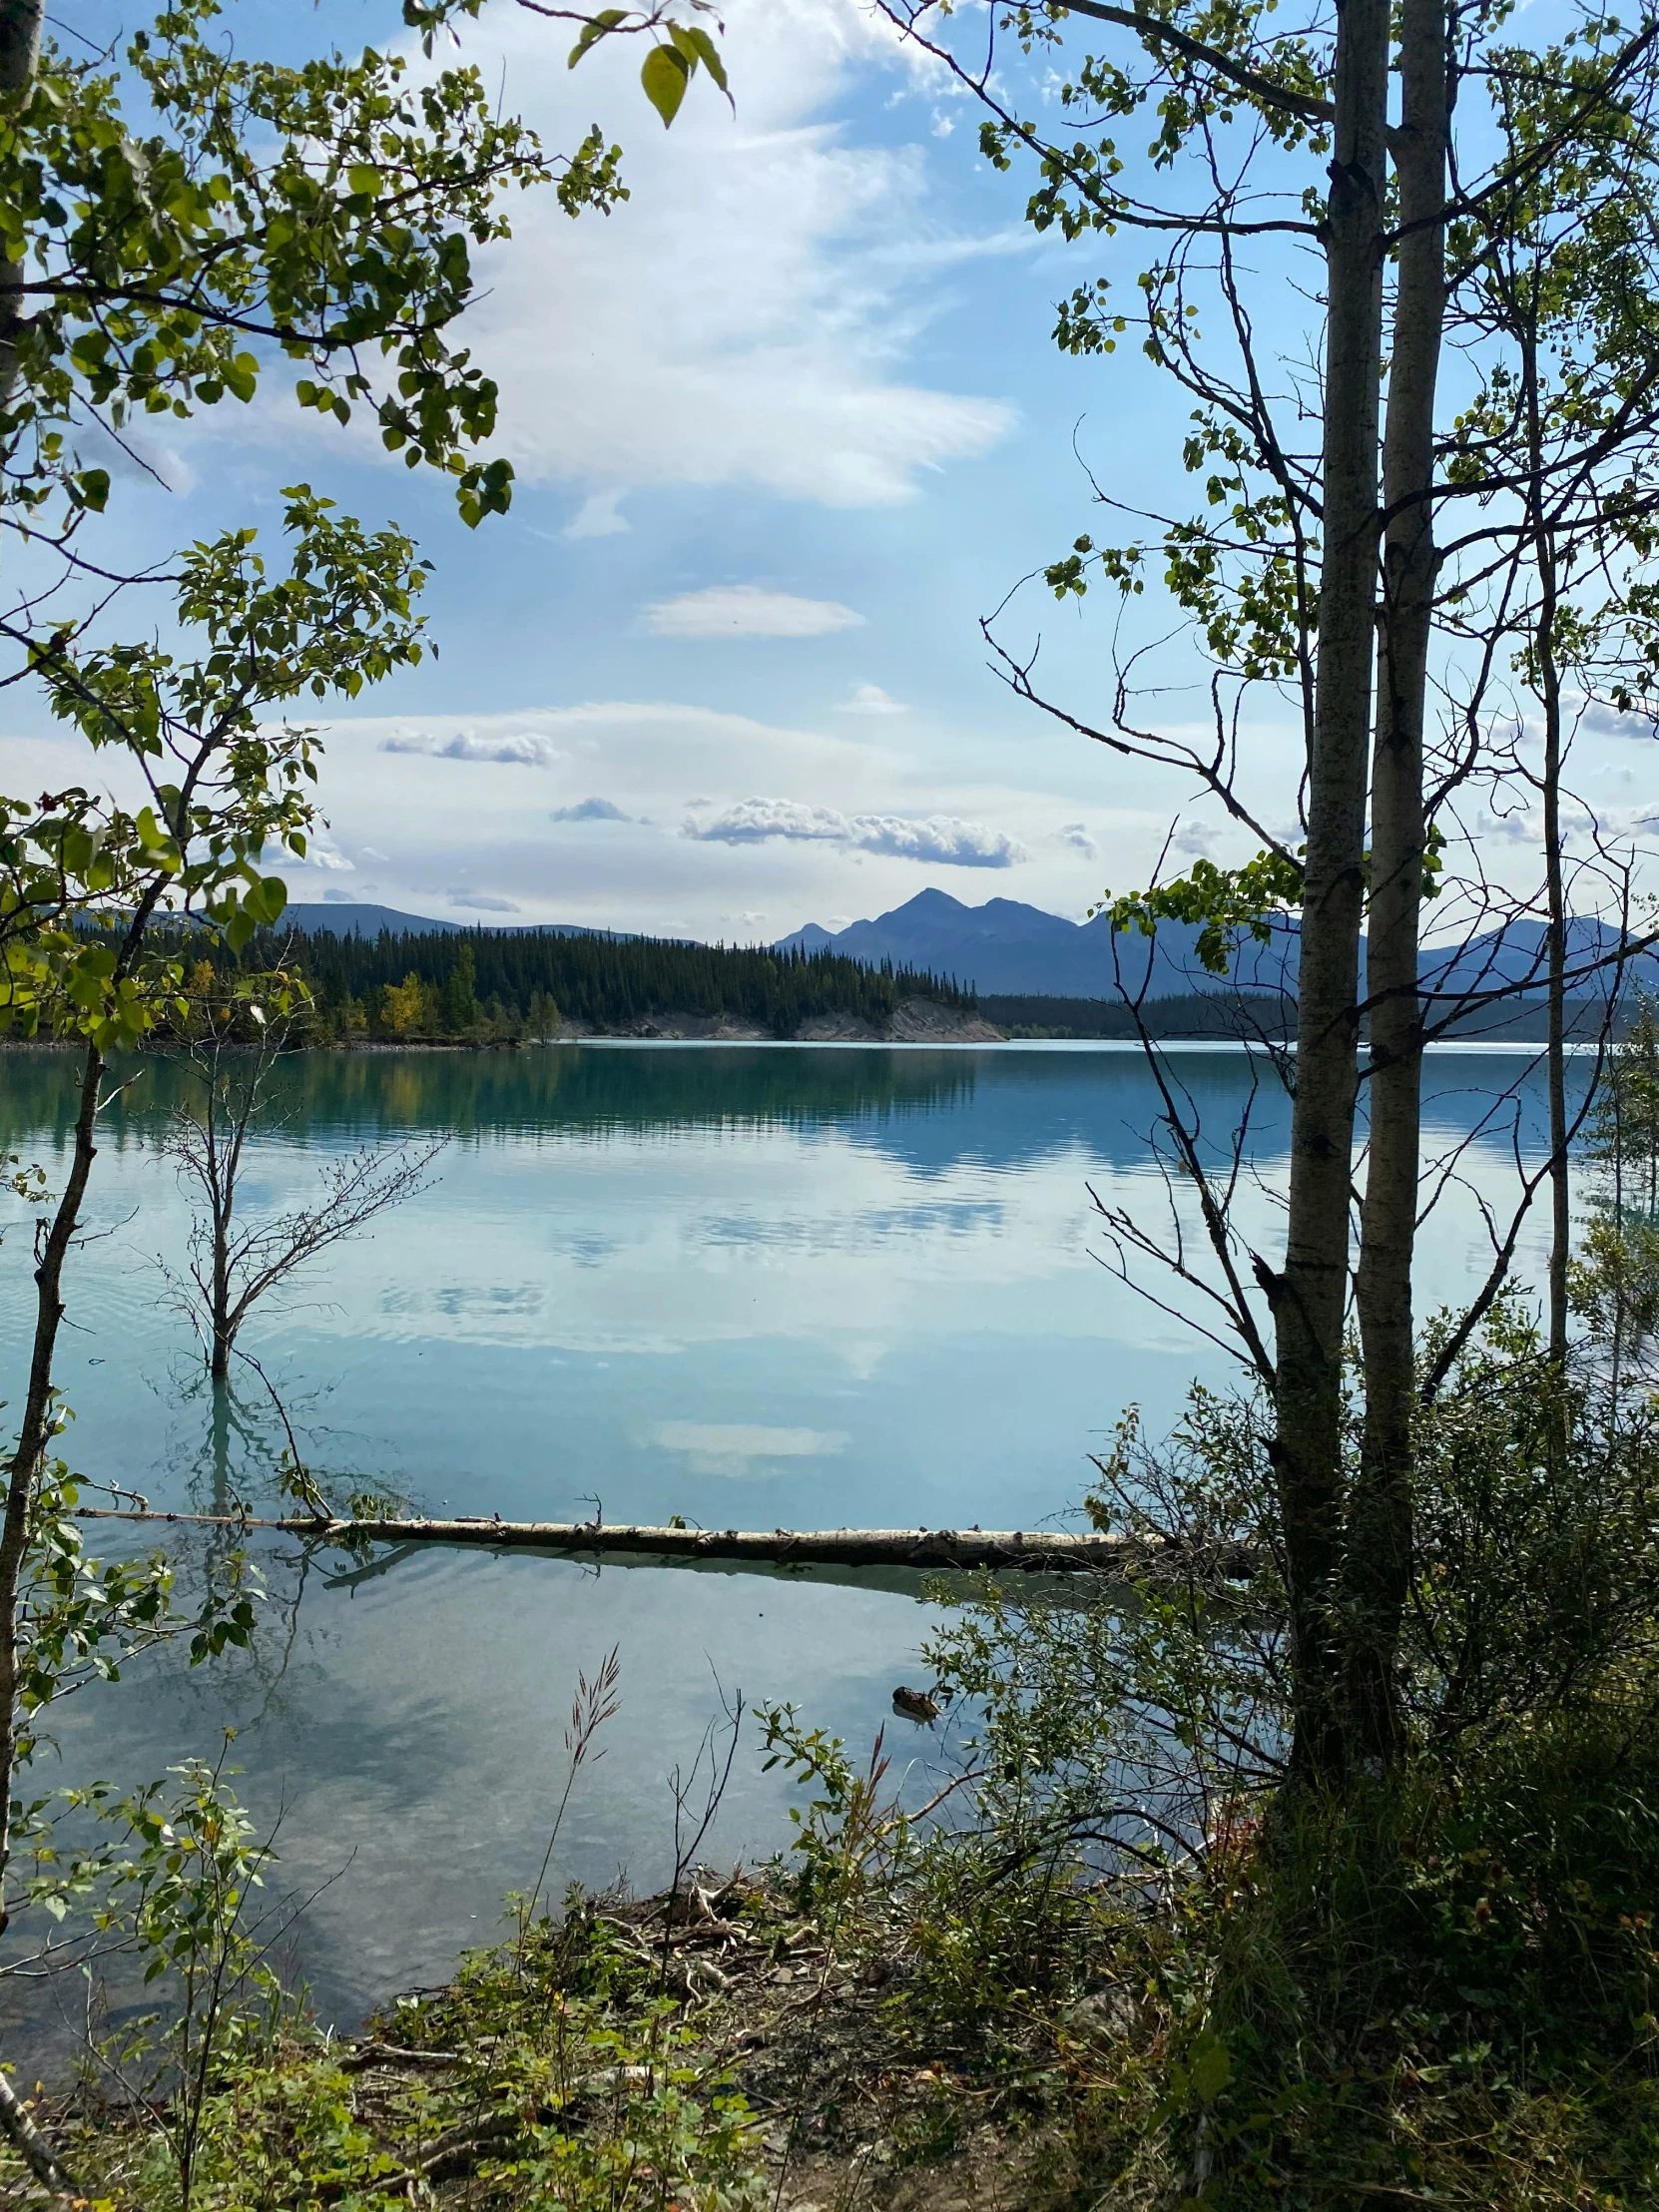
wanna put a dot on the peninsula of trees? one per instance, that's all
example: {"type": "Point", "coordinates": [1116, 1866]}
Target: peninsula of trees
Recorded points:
{"type": "Point", "coordinates": [489, 986]}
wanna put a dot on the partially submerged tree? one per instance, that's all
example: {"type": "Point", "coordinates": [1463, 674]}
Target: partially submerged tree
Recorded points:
{"type": "Point", "coordinates": [234, 1261]}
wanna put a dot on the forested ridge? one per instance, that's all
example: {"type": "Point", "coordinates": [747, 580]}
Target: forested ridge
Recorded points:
{"type": "Point", "coordinates": [491, 986]}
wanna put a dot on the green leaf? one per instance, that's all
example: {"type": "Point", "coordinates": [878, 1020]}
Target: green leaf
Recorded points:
{"type": "Point", "coordinates": [593, 31]}
{"type": "Point", "coordinates": [265, 899]}
{"type": "Point", "coordinates": [697, 46]}
{"type": "Point", "coordinates": [664, 77]}
{"type": "Point", "coordinates": [363, 180]}
{"type": "Point", "coordinates": [1212, 2068]}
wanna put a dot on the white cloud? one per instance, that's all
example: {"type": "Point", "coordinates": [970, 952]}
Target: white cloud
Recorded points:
{"type": "Point", "coordinates": [137, 456]}
{"type": "Point", "coordinates": [1523, 825]}
{"type": "Point", "coordinates": [871, 699]}
{"type": "Point", "coordinates": [744, 317]}
{"type": "Point", "coordinates": [746, 611]}
{"type": "Point", "coordinates": [483, 903]}
{"type": "Point", "coordinates": [516, 749]}
{"type": "Point", "coordinates": [1076, 834]}
{"type": "Point", "coordinates": [598, 517]}
{"type": "Point", "coordinates": [1608, 722]}
{"type": "Point", "coordinates": [732, 1448]}
{"type": "Point", "coordinates": [590, 809]}
{"type": "Point", "coordinates": [891, 819]}
{"type": "Point", "coordinates": [936, 837]}
{"type": "Point", "coordinates": [329, 858]}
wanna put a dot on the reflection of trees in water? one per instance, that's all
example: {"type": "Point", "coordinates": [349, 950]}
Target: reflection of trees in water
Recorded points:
{"type": "Point", "coordinates": [233, 1442]}
{"type": "Point", "coordinates": [591, 1088]}
{"type": "Point", "coordinates": [928, 1109]}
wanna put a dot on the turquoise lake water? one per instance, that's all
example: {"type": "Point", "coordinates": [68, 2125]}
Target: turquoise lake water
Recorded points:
{"type": "Point", "coordinates": [756, 1286]}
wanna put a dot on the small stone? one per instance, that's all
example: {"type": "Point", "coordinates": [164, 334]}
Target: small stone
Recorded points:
{"type": "Point", "coordinates": [1108, 2014]}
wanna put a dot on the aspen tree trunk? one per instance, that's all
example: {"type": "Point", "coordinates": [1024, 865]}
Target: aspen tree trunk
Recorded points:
{"type": "Point", "coordinates": [1548, 679]}
{"type": "Point", "coordinates": [1310, 1298]}
{"type": "Point", "coordinates": [19, 26]}
{"type": "Point", "coordinates": [34, 1431]}
{"type": "Point", "coordinates": [1377, 1559]}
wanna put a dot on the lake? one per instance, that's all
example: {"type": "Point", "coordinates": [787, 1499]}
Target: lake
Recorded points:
{"type": "Point", "coordinates": [756, 1286]}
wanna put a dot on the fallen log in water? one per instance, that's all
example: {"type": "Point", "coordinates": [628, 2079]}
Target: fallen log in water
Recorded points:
{"type": "Point", "coordinates": [1019, 1549]}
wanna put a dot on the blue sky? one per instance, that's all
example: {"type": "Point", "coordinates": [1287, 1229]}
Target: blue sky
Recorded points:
{"type": "Point", "coordinates": [785, 427]}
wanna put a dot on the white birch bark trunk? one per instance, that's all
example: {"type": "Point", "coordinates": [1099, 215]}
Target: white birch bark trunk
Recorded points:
{"type": "Point", "coordinates": [1310, 1299]}
{"type": "Point", "coordinates": [1377, 1560]}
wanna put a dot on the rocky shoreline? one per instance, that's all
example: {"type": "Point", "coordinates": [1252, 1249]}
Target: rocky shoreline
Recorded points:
{"type": "Point", "coordinates": [912, 1021]}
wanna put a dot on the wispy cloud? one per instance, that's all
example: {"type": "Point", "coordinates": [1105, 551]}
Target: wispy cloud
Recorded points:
{"type": "Point", "coordinates": [733, 1447]}
{"type": "Point", "coordinates": [933, 838]}
{"type": "Point", "coordinates": [1076, 834]}
{"type": "Point", "coordinates": [483, 903]}
{"type": "Point", "coordinates": [1608, 722]}
{"type": "Point", "coordinates": [590, 809]}
{"type": "Point", "coordinates": [871, 699]}
{"type": "Point", "coordinates": [744, 317]}
{"type": "Point", "coordinates": [598, 517]}
{"type": "Point", "coordinates": [746, 611]}
{"type": "Point", "coordinates": [517, 749]}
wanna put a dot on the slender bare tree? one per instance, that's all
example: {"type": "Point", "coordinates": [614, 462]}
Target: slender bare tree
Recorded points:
{"type": "Point", "coordinates": [234, 1262]}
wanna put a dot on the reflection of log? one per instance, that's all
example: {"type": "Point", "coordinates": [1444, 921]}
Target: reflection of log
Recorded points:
{"type": "Point", "coordinates": [1017, 1550]}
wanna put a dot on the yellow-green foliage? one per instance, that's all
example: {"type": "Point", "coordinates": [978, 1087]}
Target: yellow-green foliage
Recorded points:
{"type": "Point", "coordinates": [575, 2087]}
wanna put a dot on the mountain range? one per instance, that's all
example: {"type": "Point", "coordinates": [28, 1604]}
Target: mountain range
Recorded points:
{"type": "Point", "coordinates": [341, 919]}
{"type": "Point", "coordinates": [1007, 949]}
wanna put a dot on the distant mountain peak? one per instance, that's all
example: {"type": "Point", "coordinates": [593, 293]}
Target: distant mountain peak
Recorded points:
{"type": "Point", "coordinates": [1007, 945]}
{"type": "Point", "coordinates": [930, 901]}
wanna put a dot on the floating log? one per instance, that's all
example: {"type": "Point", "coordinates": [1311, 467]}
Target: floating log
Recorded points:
{"type": "Point", "coordinates": [1019, 1550]}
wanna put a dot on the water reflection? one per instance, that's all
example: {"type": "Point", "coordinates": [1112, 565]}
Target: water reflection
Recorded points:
{"type": "Point", "coordinates": [762, 1285]}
